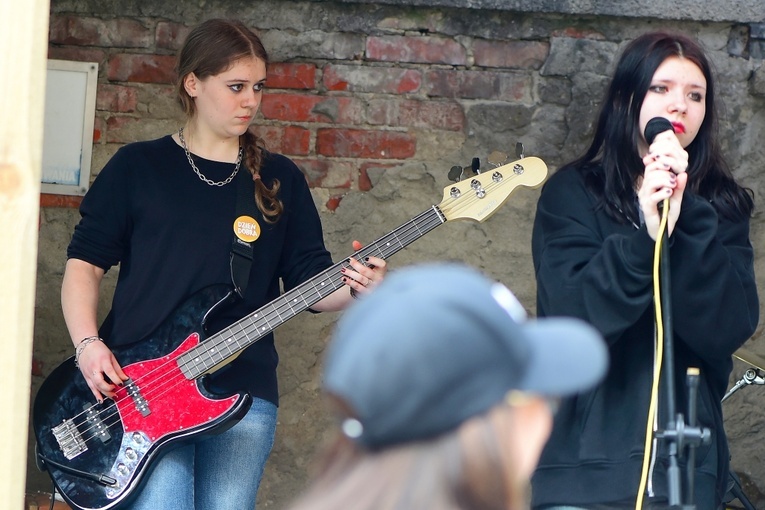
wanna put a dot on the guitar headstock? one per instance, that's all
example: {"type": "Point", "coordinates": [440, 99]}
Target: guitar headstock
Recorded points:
{"type": "Point", "coordinates": [479, 196]}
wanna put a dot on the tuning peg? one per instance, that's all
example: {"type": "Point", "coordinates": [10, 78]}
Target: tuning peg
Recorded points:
{"type": "Point", "coordinates": [497, 158]}
{"type": "Point", "coordinates": [519, 150]}
{"type": "Point", "coordinates": [455, 173]}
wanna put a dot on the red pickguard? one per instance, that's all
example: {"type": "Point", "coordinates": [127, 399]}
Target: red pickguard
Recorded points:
{"type": "Point", "coordinates": [175, 402]}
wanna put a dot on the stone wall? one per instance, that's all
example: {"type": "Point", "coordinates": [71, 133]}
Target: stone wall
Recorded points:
{"type": "Point", "coordinates": [376, 101]}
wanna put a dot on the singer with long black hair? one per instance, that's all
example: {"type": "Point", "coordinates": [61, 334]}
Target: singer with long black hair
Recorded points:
{"type": "Point", "coordinates": [593, 243]}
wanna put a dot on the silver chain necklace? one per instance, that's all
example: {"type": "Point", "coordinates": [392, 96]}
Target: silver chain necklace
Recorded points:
{"type": "Point", "coordinates": [202, 176]}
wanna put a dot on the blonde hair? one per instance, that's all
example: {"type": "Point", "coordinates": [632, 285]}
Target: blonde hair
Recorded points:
{"type": "Point", "coordinates": [465, 469]}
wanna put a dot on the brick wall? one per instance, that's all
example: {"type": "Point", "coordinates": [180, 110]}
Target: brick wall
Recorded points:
{"type": "Point", "coordinates": [336, 117]}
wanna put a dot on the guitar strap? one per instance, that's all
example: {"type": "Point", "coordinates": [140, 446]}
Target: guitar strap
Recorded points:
{"type": "Point", "coordinates": [241, 251]}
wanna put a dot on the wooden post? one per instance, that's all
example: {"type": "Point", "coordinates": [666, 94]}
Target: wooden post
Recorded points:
{"type": "Point", "coordinates": [23, 54]}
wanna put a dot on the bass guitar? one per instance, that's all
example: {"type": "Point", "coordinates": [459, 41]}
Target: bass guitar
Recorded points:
{"type": "Point", "coordinates": [98, 454]}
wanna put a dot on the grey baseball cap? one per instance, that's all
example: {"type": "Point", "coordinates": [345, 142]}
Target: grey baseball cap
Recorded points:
{"type": "Point", "coordinates": [436, 344]}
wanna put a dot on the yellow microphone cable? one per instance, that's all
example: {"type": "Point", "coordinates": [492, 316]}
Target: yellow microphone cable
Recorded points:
{"type": "Point", "coordinates": [658, 357]}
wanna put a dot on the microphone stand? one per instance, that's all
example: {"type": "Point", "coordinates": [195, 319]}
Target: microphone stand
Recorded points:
{"type": "Point", "coordinates": [678, 434]}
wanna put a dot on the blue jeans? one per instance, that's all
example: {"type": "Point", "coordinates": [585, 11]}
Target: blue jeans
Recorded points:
{"type": "Point", "coordinates": [219, 473]}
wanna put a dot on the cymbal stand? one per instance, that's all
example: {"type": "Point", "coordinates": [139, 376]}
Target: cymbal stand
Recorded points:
{"type": "Point", "coordinates": [751, 376]}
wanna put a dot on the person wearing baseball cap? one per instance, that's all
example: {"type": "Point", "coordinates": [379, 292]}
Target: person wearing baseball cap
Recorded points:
{"type": "Point", "coordinates": [444, 393]}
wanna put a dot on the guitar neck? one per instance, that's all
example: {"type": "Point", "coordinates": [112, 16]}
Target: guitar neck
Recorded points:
{"type": "Point", "coordinates": [224, 346]}
{"type": "Point", "coordinates": [476, 198]}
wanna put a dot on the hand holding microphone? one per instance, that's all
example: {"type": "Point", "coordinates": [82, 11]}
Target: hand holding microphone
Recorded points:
{"type": "Point", "coordinates": [664, 178]}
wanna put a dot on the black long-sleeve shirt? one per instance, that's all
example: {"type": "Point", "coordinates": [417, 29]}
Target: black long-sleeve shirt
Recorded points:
{"type": "Point", "coordinates": [171, 234]}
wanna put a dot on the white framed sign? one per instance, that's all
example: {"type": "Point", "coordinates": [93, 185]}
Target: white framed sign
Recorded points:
{"type": "Point", "coordinates": [70, 109]}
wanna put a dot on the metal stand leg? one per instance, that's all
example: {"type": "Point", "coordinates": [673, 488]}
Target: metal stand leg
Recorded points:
{"type": "Point", "coordinates": [735, 491]}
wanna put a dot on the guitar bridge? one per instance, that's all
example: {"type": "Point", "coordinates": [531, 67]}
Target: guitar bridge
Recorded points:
{"type": "Point", "coordinates": [69, 439]}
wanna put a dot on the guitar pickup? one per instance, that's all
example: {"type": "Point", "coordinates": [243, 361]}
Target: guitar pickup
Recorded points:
{"type": "Point", "coordinates": [69, 439]}
{"type": "Point", "coordinates": [95, 424]}
{"type": "Point", "coordinates": [135, 393]}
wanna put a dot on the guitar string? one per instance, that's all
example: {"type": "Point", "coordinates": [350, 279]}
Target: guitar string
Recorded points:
{"type": "Point", "coordinates": [171, 383]}
{"type": "Point", "coordinates": [153, 390]}
{"type": "Point", "coordinates": [286, 308]}
{"type": "Point", "coordinates": [277, 309]}
{"type": "Point", "coordinates": [290, 310]}
{"type": "Point", "coordinates": [150, 392]}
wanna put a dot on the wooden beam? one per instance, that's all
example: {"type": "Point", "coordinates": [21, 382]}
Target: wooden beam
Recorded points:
{"type": "Point", "coordinates": [23, 55]}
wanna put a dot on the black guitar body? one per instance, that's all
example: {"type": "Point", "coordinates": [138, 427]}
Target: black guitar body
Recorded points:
{"type": "Point", "coordinates": [122, 442]}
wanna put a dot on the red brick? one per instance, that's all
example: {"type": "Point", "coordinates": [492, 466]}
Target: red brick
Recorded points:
{"type": "Point", "coordinates": [141, 68]}
{"type": "Point", "coordinates": [365, 183]}
{"type": "Point", "coordinates": [314, 170]}
{"type": "Point", "coordinates": [170, 36]}
{"type": "Point", "coordinates": [76, 54]}
{"type": "Point", "coordinates": [291, 76]}
{"type": "Point", "coordinates": [98, 128]}
{"type": "Point", "coordinates": [462, 84]}
{"type": "Point", "coordinates": [116, 127]}
{"type": "Point", "coordinates": [515, 87]}
{"type": "Point", "coordinates": [447, 115]}
{"type": "Point", "coordinates": [50, 200]}
{"type": "Point", "coordinates": [511, 54]}
{"type": "Point", "coordinates": [422, 50]}
{"type": "Point", "coordinates": [37, 367]}
{"type": "Point", "coordinates": [291, 107]}
{"type": "Point", "coordinates": [116, 98]}
{"type": "Point", "coordinates": [290, 140]}
{"type": "Point", "coordinates": [334, 202]}
{"type": "Point", "coordinates": [358, 143]}
{"type": "Point", "coordinates": [309, 108]}
{"type": "Point", "coordinates": [79, 31]}
{"type": "Point", "coordinates": [322, 173]}
{"type": "Point", "coordinates": [577, 33]}
{"type": "Point", "coordinates": [74, 30]}
{"type": "Point", "coordinates": [478, 85]}
{"type": "Point", "coordinates": [383, 80]}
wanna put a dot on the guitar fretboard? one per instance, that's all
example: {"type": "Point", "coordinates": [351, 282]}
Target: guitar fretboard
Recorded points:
{"type": "Point", "coordinates": [222, 347]}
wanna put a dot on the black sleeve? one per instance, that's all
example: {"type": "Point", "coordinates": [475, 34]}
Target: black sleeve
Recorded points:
{"type": "Point", "coordinates": [586, 265]}
{"type": "Point", "coordinates": [715, 307]}
{"type": "Point", "coordinates": [101, 237]}
{"type": "Point", "coordinates": [304, 253]}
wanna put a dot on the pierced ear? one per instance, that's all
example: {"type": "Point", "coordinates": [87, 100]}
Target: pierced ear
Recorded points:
{"type": "Point", "coordinates": [190, 83]}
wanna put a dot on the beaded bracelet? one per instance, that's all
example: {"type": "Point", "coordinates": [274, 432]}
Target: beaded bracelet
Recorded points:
{"type": "Point", "coordinates": [81, 346]}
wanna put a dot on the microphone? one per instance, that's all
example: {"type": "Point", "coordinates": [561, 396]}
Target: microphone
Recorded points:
{"type": "Point", "coordinates": [655, 126]}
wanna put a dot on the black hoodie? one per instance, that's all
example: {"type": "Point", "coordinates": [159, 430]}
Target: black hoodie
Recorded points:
{"type": "Point", "coordinates": [590, 266]}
